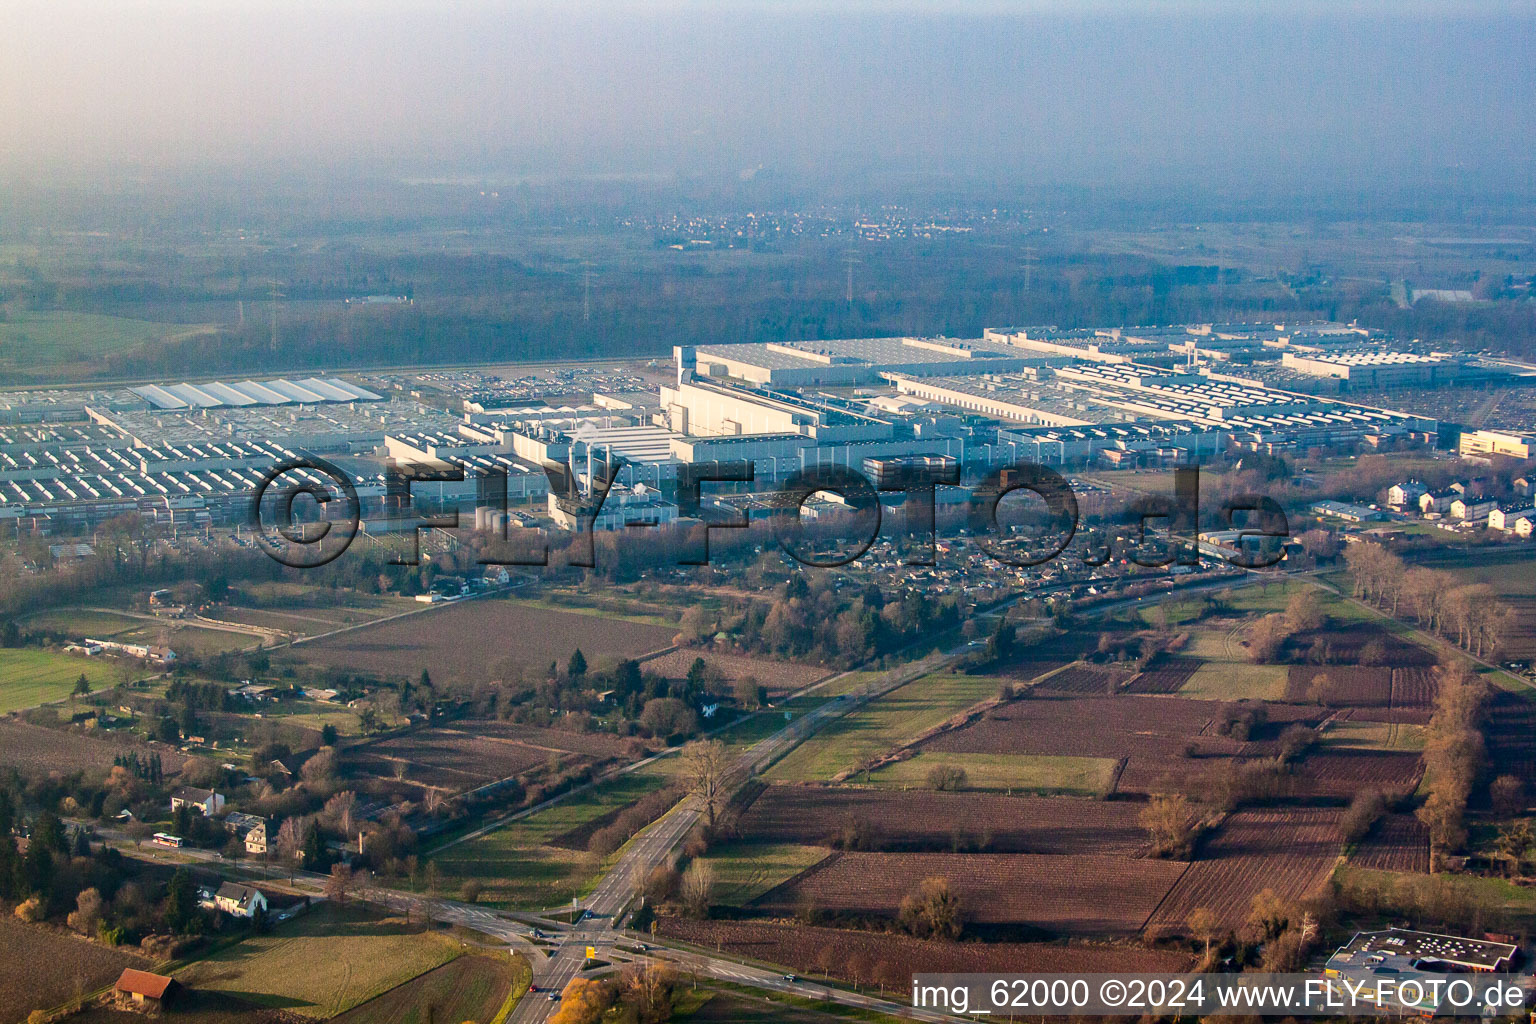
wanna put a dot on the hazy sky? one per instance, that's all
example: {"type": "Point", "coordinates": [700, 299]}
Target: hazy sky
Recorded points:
{"type": "Point", "coordinates": [1053, 91]}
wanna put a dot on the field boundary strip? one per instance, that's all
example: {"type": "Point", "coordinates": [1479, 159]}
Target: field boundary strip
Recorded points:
{"type": "Point", "coordinates": [825, 862]}
{"type": "Point", "coordinates": [1167, 894]}
{"type": "Point", "coordinates": [908, 749]}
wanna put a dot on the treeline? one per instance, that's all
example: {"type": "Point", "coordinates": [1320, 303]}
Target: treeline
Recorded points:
{"type": "Point", "coordinates": [487, 307]}
{"type": "Point", "coordinates": [1470, 615]}
{"type": "Point", "coordinates": [811, 619]}
{"type": "Point", "coordinates": [1454, 756]}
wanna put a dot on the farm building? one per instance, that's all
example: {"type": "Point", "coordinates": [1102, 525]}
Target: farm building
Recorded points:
{"type": "Point", "coordinates": [240, 900]}
{"type": "Point", "coordinates": [144, 652]}
{"type": "Point", "coordinates": [204, 801]}
{"type": "Point", "coordinates": [143, 992]}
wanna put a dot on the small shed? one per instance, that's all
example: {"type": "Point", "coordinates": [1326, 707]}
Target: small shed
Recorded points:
{"type": "Point", "coordinates": [143, 992]}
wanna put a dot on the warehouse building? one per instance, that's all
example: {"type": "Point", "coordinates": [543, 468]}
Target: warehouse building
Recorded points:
{"type": "Point", "coordinates": [847, 360]}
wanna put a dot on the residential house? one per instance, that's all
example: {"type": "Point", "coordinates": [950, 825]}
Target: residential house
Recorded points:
{"type": "Point", "coordinates": [240, 900]}
{"type": "Point", "coordinates": [1405, 494]}
{"type": "Point", "coordinates": [290, 765]}
{"type": "Point", "coordinates": [1509, 520]}
{"type": "Point", "coordinates": [1472, 509]}
{"type": "Point", "coordinates": [204, 801]}
{"type": "Point", "coordinates": [256, 841]}
{"type": "Point", "coordinates": [143, 992]}
{"type": "Point", "coordinates": [251, 829]}
{"type": "Point", "coordinates": [1525, 486]}
{"type": "Point", "coordinates": [1436, 501]}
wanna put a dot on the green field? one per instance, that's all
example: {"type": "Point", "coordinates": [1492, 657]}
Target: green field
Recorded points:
{"type": "Point", "coordinates": [56, 340]}
{"type": "Point", "coordinates": [894, 719]}
{"type": "Point", "coordinates": [1039, 774]}
{"type": "Point", "coordinates": [473, 987]}
{"type": "Point", "coordinates": [744, 871]}
{"type": "Point", "coordinates": [1226, 672]}
{"type": "Point", "coordinates": [30, 677]}
{"type": "Point", "coordinates": [723, 1003]}
{"type": "Point", "coordinates": [1375, 736]}
{"type": "Point", "coordinates": [519, 870]}
{"type": "Point", "coordinates": [324, 962]}
{"type": "Point", "coordinates": [79, 623]}
{"type": "Point", "coordinates": [1478, 890]}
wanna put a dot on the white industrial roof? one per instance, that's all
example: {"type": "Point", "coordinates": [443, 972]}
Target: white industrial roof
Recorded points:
{"type": "Point", "coordinates": [281, 391]}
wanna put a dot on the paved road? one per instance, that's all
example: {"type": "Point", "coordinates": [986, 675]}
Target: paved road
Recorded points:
{"type": "Point", "coordinates": [655, 845]}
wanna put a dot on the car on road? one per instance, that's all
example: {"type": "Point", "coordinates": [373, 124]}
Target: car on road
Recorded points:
{"type": "Point", "coordinates": [554, 997]}
{"type": "Point", "coordinates": [791, 978]}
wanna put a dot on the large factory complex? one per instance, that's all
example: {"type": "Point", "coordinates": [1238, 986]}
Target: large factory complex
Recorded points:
{"type": "Point", "coordinates": [194, 452]}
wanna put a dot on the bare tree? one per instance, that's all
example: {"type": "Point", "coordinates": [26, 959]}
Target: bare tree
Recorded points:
{"type": "Point", "coordinates": [1304, 611]}
{"type": "Point", "coordinates": [698, 887]}
{"type": "Point", "coordinates": [433, 879]}
{"type": "Point", "coordinates": [1507, 794]}
{"type": "Point", "coordinates": [933, 910]}
{"type": "Point", "coordinates": [87, 913]}
{"type": "Point", "coordinates": [1203, 925]}
{"type": "Point", "coordinates": [1169, 824]}
{"type": "Point", "coordinates": [340, 884]}
{"type": "Point", "coordinates": [707, 768]}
